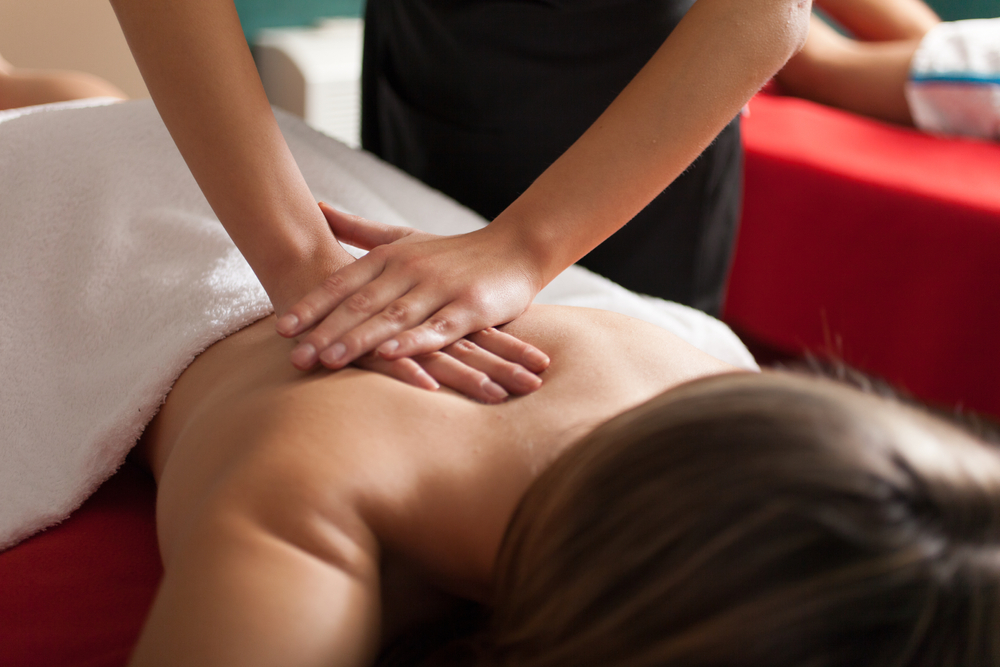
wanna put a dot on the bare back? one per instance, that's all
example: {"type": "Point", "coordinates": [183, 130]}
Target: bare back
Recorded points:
{"type": "Point", "coordinates": [435, 475]}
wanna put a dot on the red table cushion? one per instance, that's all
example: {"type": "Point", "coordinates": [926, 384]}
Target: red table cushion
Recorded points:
{"type": "Point", "coordinates": [78, 593]}
{"type": "Point", "coordinates": [875, 243]}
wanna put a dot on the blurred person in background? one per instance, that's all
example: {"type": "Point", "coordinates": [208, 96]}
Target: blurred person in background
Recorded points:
{"type": "Point", "coordinates": [22, 87]}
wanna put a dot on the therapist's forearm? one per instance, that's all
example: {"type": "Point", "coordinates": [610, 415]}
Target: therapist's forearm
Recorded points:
{"type": "Point", "coordinates": [199, 71]}
{"type": "Point", "coordinates": [719, 55]}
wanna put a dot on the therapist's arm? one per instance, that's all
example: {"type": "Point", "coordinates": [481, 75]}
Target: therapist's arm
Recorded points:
{"type": "Point", "coordinates": [437, 290]}
{"type": "Point", "coordinates": [199, 72]}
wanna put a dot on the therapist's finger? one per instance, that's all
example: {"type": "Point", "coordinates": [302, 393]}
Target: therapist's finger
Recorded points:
{"type": "Point", "coordinates": [440, 329]}
{"type": "Point", "coordinates": [375, 312]}
{"type": "Point", "coordinates": [323, 299]}
{"type": "Point", "coordinates": [511, 348]}
{"type": "Point", "coordinates": [361, 232]}
{"type": "Point", "coordinates": [431, 371]}
{"type": "Point", "coordinates": [461, 377]}
{"type": "Point", "coordinates": [513, 377]}
{"type": "Point", "coordinates": [370, 326]}
{"type": "Point", "coordinates": [406, 370]}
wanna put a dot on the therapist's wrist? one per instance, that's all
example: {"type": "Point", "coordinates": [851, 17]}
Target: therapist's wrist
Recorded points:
{"type": "Point", "coordinates": [542, 247]}
{"type": "Point", "coordinates": [520, 250]}
{"type": "Point", "coordinates": [298, 266]}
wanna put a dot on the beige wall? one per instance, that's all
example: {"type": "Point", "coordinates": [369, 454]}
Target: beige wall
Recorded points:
{"type": "Point", "coordinates": [68, 34]}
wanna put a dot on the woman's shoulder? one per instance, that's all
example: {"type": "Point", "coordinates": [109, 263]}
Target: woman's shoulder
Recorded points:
{"type": "Point", "coordinates": [540, 318]}
{"type": "Point", "coordinates": [607, 360]}
{"type": "Point", "coordinates": [599, 332]}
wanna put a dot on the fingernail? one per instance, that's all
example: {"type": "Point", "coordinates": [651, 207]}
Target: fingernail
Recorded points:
{"type": "Point", "coordinates": [427, 381]}
{"type": "Point", "coordinates": [304, 355]}
{"type": "Point", "coordinates": [388, 347]}
{"type": "Point", "coordinates": [494, 390]}
{"type": "Point", "coordinates": [527, 380]}
{"type": "Point", "coordinates": [536, 358]}
{"type": "Point", "coordinates": [287, 324]}
{"type": "Point", "coordinates": [334, 354]}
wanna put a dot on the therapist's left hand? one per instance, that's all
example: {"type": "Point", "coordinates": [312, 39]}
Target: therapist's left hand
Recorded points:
{"type": "Point", "coordinates": [477, 366]}
{"type": "Point", "coordinates": [413, 293]}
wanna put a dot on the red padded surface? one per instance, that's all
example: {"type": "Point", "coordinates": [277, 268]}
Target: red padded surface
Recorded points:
{"type": "Point", "coordinates": [876, 243]}
{"type": "Point", "coordinates": [77, 594]}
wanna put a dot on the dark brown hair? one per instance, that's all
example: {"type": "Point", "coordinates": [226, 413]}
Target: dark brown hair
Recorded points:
{"type": "Point", "coordinates": [758, 520]}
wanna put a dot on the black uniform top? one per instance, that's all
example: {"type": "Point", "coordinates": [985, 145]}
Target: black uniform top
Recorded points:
{"type": "Point", "coordinates": [477, 97]}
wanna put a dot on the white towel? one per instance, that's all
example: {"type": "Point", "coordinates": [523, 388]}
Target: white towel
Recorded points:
{"type": "Point", "coordinates": [115, 274]}
{"type": "Point", "coordinates": [954, 85]}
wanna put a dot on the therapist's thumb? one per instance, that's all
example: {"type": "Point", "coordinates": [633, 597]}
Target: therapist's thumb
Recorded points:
{"type": "Point", "coordinates": [361, 232]}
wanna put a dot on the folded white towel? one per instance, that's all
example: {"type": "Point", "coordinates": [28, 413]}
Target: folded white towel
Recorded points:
{"type": "Point", "coordinates": [954, 85]}
{"type": "Point", "coordinates": [115, 274]}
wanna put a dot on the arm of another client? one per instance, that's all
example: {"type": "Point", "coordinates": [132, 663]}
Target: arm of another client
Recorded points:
{"type": "Point", "coordinates": [21, 87]}
{"type": "Point", "coordinates": [882, 20]}
{"type": "Point", "coordinates": [866, 75]}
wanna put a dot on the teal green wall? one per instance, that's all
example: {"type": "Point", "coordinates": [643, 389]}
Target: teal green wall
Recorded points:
{"type": "Point", "coordinates": [953, 10]}
{"type": "Point", "coordinates": [257, 14]}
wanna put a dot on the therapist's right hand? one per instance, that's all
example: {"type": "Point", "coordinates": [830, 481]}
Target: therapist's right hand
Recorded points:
{"type": "Point", "coordinates": [413, 293]}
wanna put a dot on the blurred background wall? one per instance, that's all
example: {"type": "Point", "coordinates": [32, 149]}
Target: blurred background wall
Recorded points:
{"type": "Point", "coordinates": [68, 34]}
{"type": "Point", "coordinates": [257, 14]}
{"type": "Point", "coordinates": [954, 10]}
{"type": "Point", "coordinates": [83, 34]}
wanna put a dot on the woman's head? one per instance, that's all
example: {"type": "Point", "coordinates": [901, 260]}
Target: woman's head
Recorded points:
{"type": "Point", "coordinates": [758, 520]}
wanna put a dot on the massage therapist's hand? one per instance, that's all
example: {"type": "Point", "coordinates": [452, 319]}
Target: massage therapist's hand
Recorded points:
{"type": "Point", "coordinates": [479, 366]}
{"type": "Point", "coordinates": [413, 293]}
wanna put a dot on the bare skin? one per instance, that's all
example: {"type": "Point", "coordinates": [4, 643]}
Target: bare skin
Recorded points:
{"type": "Point", "coordinates": [283, 494]}
{"type": "Point", "coordinates": [882, 20]}
{"type": "Point", "coordinates": [866, 75]}
{"type": "Point", "coordinates": [21, 87]}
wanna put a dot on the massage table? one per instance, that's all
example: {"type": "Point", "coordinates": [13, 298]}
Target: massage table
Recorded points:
{"type": "Point", "coordinates": [77, 594]}
{"type": "Point", "coordinates": [121, 275]}
{"type": "Point", "coordinates": [869, 241]}
{"type": "Point", "coordinates": [874, 244]}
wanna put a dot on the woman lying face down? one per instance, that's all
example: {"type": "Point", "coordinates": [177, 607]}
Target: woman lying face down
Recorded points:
{"type": "Point", "coordinates": [646, 506]}
{"type": "Point", "coordinates": [282, 493]}
{"type": "Point", "coordinates": [306, 518]}
{"type": "Point", "coordinates": [769, 519]}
